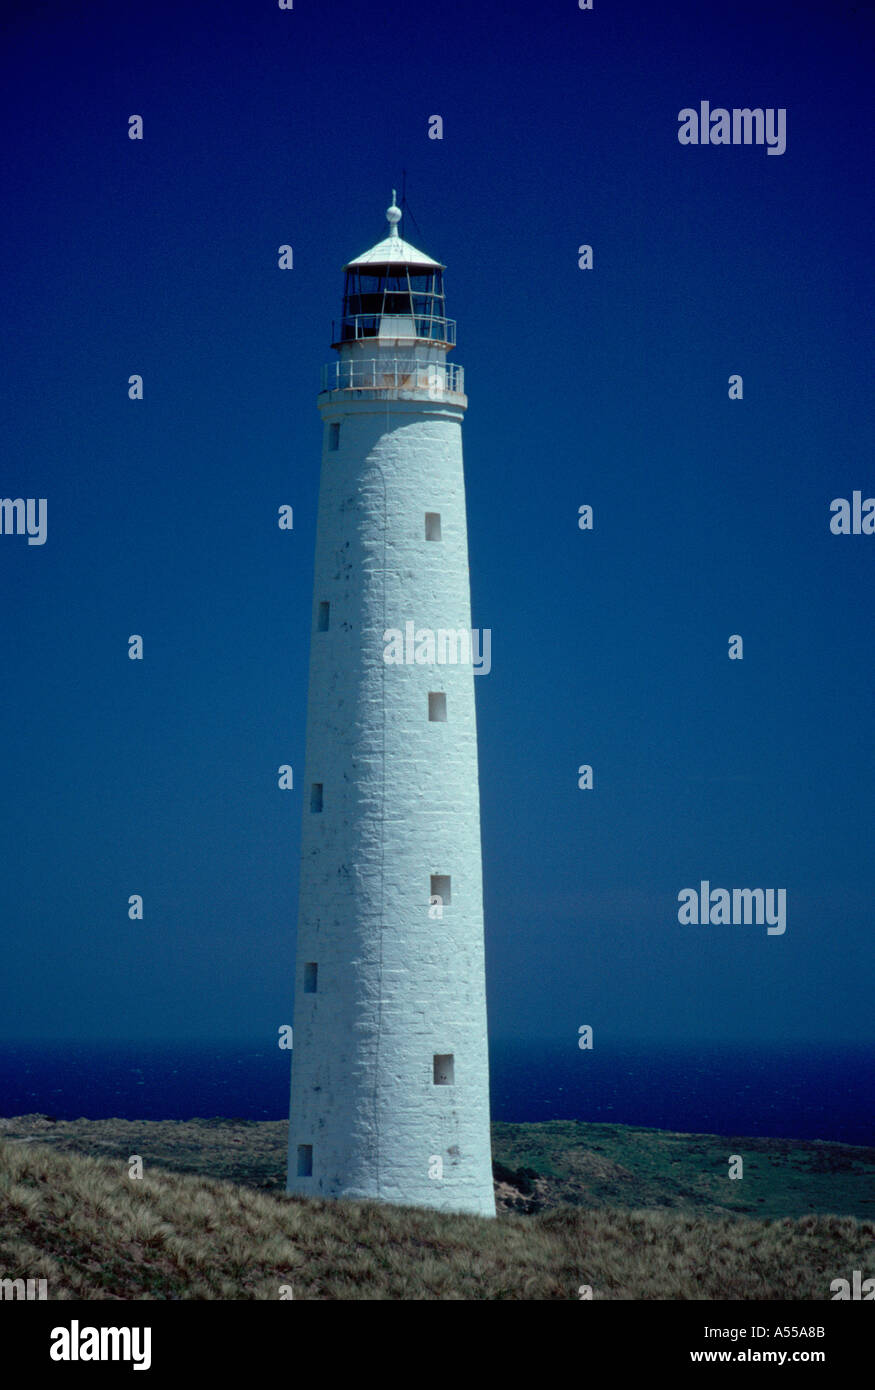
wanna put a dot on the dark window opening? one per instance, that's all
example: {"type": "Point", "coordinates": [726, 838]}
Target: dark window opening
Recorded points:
{"type": "Point", "coordinates": [444, 1069]}
{"type": "Point", "coordinates": [440, 888]}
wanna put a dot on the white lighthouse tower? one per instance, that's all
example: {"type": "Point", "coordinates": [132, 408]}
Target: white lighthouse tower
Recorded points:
{"type": "Point", "coordinates": [390, 1078]}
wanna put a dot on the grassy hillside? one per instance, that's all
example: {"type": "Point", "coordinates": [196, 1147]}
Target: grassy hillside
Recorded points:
{"type": "Point", "coordinates": [589, 1165]}
{"type": "Point", "coordinates": [80, 1222]}
{"type": "Point", "coordinates": [596, 1165]}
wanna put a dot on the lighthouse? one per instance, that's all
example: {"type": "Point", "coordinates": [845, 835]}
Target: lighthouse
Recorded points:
{"type": "Point", "coordinates": [390, 1071]}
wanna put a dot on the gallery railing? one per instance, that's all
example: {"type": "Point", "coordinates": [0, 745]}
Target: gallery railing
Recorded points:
{"type": "Point", "coordinates": [427, 326]}
{"type": "Point", "coordinates": [394, 374]}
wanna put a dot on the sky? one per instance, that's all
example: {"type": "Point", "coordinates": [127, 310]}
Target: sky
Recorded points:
{"type": "Point", "coordinates": [606, 387]}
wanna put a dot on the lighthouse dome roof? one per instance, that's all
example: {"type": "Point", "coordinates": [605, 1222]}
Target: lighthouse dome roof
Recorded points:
{"type": "Point", "coordinates": [393, 249]}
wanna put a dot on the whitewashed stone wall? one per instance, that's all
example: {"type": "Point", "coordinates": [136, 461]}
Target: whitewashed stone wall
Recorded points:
{"type": "Point", "coordinates": [400, 803]}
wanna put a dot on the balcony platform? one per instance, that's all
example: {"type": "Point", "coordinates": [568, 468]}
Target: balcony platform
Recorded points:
{"type": "Point", "coordinates": [390, 376]}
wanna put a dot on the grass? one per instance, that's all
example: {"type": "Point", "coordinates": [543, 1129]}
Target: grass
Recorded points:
{"type": "Point", "coordinates": [590, 1165]}
{"type": "Point", "coordinates": [597, 1165]}
{"type": "Point", "coordinates": [78, 1221]}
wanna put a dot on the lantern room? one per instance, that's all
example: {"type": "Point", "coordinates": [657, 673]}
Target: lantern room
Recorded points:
{"type": "Point", "coordinates": [394, 292]}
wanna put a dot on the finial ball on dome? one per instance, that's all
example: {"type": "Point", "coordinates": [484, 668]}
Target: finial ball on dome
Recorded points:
{"type": "Point", "coordinates": [393, 213]}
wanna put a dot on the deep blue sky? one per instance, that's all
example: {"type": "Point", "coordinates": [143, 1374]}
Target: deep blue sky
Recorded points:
{"type": "Point", "coordinates": [606, 387]}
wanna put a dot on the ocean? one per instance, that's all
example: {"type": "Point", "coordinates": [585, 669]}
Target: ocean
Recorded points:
{"type": "Point", "coordinates": [811, 1092]}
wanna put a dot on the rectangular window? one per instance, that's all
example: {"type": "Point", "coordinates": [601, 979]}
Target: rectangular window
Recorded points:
{"type": "Point", "coordinates": [334, 436]}
{"type": "Point", "coordinates": [323, 616]}
{"type": "Point", "coordinates": [316, 796]}
{"type": "Point", "coordinates": [437, 707]}
{"type": "Point", "coordinates": [311, 970]}
{"type": "Point", "coordinates": [440, 888]}
{"type": "Point", "coordinates": [443, 1069]}
{"type": "Point", "coordinates": [432, 526]}
{"type": "Point", "coordinates": [305, 1160]}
